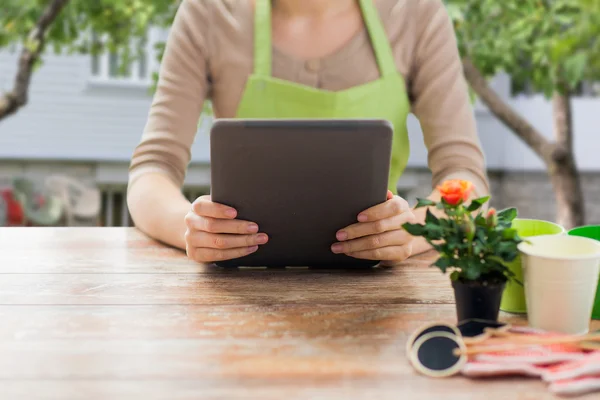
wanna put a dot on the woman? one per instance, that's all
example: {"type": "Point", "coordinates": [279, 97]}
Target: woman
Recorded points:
{"type": "Point", "coordinates": [303, 58]}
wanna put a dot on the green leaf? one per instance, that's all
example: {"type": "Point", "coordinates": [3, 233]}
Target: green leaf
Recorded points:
{"type": "Point", "coordinates": [414, 229]}
{"type": "Point", "coordinates": [509, 233]}
{"type": "Point", "coordinates": [574, 68]}
{"type": "Point", "coordinates": [508, 214]}
{"type": "Point", "coordinates": [497, 259]}
{"type": "Point", "coordinates": [443, 263]}
{"type": "Point", "coordinates": [480, 221]}
{"type": "Point", "coordinates": [434, 232]}
{"type": "Point", "coordinates": [430, 218]}
{"type": "Point", "coordinates": [506, 249]}
{"type": "Point", "coordinates": [425, 203]}
{"type": "Point", "coordinates": [477, 203]}
{"type": "Point", "coordinates": [472, 273]}
{"type": "Point", "coordinates": [454, 275]}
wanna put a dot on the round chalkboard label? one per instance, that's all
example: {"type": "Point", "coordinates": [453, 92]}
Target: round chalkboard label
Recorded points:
{"type": "Point", "coordinates": [433, 354]}
{"type": "Point", "coordinates": [434, 327]}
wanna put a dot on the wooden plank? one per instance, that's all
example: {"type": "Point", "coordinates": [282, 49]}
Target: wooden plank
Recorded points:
{"type": "Point", "coordinates": [409, 285]}
{"type": "Point", "coordinates": [281, 359]}
{"type": "Point", "coordinates": [106, 250]}
{"type": "Point", "coordinates": [414, 388]}
{"type": "Point", "coordinates": [373, 321]}
{"type": "Point", "coordinates": [322, 322]}
{"type": "Point", "coordinates": [233, 364]}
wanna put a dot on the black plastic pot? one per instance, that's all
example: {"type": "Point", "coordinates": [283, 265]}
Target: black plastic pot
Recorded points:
{"type": "Point", "coordinates": [477, 300]}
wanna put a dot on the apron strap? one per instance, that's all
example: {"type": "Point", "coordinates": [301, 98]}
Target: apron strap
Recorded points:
{"type": "Point", "coordinates": [262, 38]}
{"type": "Point", "coordinates": [263, 47]}
{"type": "Point", "coordinates": [379, 40]}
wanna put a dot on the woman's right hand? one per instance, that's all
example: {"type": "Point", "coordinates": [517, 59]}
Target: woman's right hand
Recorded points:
{"type": "Point", "coordinates": [214, 234]}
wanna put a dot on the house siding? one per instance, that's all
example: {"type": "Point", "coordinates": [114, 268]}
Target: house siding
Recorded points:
{"type": "Point", "coordinates": [69, 117]}
{"type": "Point", "coordinates": [75, 125]}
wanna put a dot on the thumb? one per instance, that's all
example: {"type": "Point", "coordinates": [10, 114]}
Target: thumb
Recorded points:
{"type": "Point", "coordinates": [390, 195]}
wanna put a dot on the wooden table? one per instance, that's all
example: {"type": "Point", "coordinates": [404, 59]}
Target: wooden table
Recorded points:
{"type": "Point", "coordinates": [103, 313]}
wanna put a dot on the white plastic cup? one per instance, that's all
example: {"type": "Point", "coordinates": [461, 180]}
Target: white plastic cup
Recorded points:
{"type": "Point", "coordinates": [560, 274]}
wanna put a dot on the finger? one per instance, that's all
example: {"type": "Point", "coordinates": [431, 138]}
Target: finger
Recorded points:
{"type": "Point", "coordinates": [213, 255]}
{"type": "Point", "coordinates": [394, 206]}
{"type": "Point", "coordinates": [207, 224]}
{"type": "Point", "coordinates": [224, 241]}
{"type": "Point", "coordinates": [397, 237]}
{"type": "Point", "coordinates": [390, 253]}
{"type": "Point", "coordinates": [204, 206]}
{"type": "Point", "coordinates": [390, 195]}
{"type": "Point", "coordinates": [371, 228]}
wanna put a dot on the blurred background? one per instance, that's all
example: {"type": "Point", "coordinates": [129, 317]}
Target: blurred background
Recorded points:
{"type": "Point", "coordinates": [76, 81]}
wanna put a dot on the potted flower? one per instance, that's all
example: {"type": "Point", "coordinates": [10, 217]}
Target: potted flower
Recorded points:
{"type": "Point", "coordinates": [474, 245]}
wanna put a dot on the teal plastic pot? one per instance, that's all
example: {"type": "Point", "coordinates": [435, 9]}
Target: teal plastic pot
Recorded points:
{"type": "Point", "coordinates": [592, 232]}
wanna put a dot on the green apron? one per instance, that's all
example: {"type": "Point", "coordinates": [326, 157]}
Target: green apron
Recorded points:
{"type": "Point", "coordinates": [385, 98]}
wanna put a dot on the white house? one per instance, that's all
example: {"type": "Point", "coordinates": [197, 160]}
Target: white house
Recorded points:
{"type": "Point", "coordinates": [83, 120]}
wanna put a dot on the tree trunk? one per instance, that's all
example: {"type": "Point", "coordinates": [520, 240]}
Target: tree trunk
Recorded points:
{"type": "Point", "coordinates": [562, 168]}
{"type": "Point", "coordinates": [505, 114]}
{"type": "Point", "coordinates": [558, 155]}
{"type": "Point", "coordinates": [11, 102]}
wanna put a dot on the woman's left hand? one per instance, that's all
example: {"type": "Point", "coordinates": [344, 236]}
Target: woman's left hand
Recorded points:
{"type": "Point", "coordinates": [379, 234]}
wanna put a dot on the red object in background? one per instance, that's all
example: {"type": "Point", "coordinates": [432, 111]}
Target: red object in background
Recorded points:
{"type": "Point", "coordinates": [15, 211]}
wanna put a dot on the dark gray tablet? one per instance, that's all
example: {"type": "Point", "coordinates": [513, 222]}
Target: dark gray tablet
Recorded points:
{"type": "Point", "coordinates": [301, 181]}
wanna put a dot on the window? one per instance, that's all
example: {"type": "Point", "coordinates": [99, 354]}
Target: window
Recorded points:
{"type": "Point", "coordinates": [109, 67]}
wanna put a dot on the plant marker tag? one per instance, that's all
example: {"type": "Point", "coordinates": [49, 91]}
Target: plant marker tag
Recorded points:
{"type": "Point", "coordinates": [434, 327]}
{"type": "Point", "coordinates": [587, 365]}
{"type": "Point", "coordinates": [477, 327]}
{"type": "Point", "coordinates": [589, 344]}
{"type": "Point", "coordinates": [477, 330]}
{"type": "Point", "coordinates": [577, 386]}
{"type": "Point", "coordinates": [534, 354]}
{"type": "Point", "coordinates": [478, 369]}
{"type": "Point", "coordinates": [433, 354]}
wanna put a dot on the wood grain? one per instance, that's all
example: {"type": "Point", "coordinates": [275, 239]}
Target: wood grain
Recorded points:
{"type": "Point", "coordinates": [413, 388]}
{"type": "Point", "coordinates": [231, 287]}
{"type": "Point", "coordinates": [112, 250]}
{"type": "Point", "coordinates": [97, 313]}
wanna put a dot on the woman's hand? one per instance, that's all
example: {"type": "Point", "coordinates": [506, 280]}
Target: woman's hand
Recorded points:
{"type": "Point", "coordinates": [213, 234]}
{"type": "Point", "coordinates": [379, 234]}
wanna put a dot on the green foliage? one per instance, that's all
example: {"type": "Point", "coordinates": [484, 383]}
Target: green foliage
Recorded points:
{"type": "Point", "coordinates": [476, 247]}
{"type": "Point", "coordinates": [424, 203]}
{"type": "Point", "coordinates": [93, 27]}
{"type": "Point", "coordinates": [552, 45]}
{"type": "Point", "coordinates": [82, 21]}
{"type": "Point", "coordinates": [477, 204]}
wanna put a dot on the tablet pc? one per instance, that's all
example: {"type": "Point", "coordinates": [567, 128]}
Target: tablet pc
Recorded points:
{"type": "Point", "coordinates": [301, 181]}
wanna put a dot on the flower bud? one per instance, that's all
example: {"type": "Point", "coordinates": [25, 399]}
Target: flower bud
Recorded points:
{"type": "Point", "coordinates": [469, 229]}
{"type": "Point", "coordinates": [492, 218]}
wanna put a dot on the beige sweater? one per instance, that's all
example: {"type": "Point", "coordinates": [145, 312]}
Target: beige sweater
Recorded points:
{"type": "Point", "coordinates": [209, 54]}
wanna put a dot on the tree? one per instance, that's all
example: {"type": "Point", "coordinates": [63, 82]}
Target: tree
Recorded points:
{"type": "Point", "coordinates": [74, 26]}
{"type": "Point", "coordinates": [550, 46]}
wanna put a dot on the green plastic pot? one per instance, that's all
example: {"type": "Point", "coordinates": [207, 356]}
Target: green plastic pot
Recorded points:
{"type": "Point", "coordinates": [513, 298]}
{"type": "Point", "coordinates": [592, 232]}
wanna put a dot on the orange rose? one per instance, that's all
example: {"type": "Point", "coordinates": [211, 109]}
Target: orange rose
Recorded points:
{"type": "Point", "coordinates": [455, 191]}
